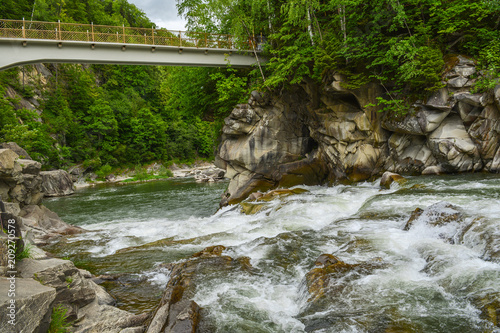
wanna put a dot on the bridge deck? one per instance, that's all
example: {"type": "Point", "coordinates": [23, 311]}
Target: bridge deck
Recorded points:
{"type": "Point", "coordinates": [27, 42]}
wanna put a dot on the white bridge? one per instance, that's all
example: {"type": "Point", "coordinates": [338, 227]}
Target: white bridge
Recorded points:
{"type": "Point", "coordinates": [29, 42]}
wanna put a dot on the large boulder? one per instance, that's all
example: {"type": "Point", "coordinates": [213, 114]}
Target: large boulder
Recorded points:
{"type": "Point", "coordinates": [177, 312]}
{"type": "Point", "coordinates": [42, 223]}
{"type": "Point", "coordinates": [73, 290]}
{"type": "Point", "coordinates": [57, 183]}
{"type": "Point", "coordinates": [33, 305]}
{"type": "Point", "coordinates": [16, 149]}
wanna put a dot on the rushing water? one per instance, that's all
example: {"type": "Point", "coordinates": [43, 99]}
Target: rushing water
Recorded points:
{"type": "Point", "coordinates": [431, 278]}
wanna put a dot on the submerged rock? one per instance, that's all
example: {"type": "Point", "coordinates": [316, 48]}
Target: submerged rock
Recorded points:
{"type": "Point", "coordinates": [389, 177]}
{"type": "Point", "coordinates": [435, 215]}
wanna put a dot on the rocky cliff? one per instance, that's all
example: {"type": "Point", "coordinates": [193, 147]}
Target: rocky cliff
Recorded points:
{"type": "Point", "coordinates": [323, 134]}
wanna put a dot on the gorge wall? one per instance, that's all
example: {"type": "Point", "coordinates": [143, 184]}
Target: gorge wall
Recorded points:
{"type": "Point", "coordinates": [323, 134]}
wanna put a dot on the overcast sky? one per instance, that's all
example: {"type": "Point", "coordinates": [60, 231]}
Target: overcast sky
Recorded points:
{"type": "Point", "coordinates": [161, 12]}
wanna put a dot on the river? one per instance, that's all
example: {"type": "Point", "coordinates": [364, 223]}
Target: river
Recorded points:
{"type": "Point", "coordinates": [430, 278]}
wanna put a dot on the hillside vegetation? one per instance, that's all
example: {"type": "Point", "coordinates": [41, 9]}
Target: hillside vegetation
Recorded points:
{"type": "Point", "coordinates": [106, 115]}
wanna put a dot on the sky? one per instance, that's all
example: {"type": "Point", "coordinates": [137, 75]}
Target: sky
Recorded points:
{"type": "Point", "coordinates": [161, 12]}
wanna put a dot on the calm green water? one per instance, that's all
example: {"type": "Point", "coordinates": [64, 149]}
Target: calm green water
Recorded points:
{"type": "Point", "coordinates": [433, 278]}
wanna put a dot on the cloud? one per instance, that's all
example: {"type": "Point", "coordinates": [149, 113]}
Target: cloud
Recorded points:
{"type": "Point", "coordinates": [162, 12]}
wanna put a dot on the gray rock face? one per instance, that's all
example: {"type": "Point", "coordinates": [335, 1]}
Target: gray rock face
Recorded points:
{"type": "Point", "coordinates": [57, 183]}
{"type": "Point", "coordinates": [16, 149]}
{"type": "Point", "coordinates": [32, 303]}
{"type": "Point", "coordinates": [72, 289]}
{"type": "Point", "coordinates": [324, 134]}
{"type": "Point", "coordinates": [19, 179]}
{"type": "Point", "coordinates": [453, 148]}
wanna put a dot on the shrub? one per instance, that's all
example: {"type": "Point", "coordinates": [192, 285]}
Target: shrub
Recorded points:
{"type": "Point", "coordinates": [58, 320]}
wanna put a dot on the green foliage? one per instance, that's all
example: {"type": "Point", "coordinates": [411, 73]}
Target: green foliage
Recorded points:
{"type": "Point", "coordinates": [25, 253]}
{"type": "Point", "coordinates": [142, 174]}
{"type": "Point", "coordinates": [104, 171]}
{"type": "Point", "coordinates": [58, 320]}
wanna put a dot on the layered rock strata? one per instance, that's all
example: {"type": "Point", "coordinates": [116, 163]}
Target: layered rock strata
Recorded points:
{"type": "Point", "coordinates": [316, 135]}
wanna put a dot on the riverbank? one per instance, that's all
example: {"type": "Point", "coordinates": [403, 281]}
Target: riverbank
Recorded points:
{"type": "Point", "coordinates": [202, 171]}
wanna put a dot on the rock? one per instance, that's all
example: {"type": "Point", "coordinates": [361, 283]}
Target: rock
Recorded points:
{"type": "Point", "coordinates": [429, 120]}
{"type": "Point", "coordinates": [257, 98]}
{"type": "Point", "coordinates": [433, 170]}
{"type": "Point", "coordinates": [331, 275]}
{"type": "Point", "coordinates": [57, 183]}
{"type": "Point", "coordinates": [439, 100]}
{"type": "Point", "coordinates": [409, 154]}
{"type": "Point", "coordinates": [485, 133]}
{"type": "Point", "coordinates": [469, 99]}
{"type": "Point", "coordinates": [43, 223]}
{"type": "Point", "coordinates": [177, 312]}
{"type": "Point", "coordinates": [388, 178]}
{"type": "Point", "coordinates": [7, 163]}
{"type": "Point", "coordinates": [29, 167]}
{"type": "Point", "coordinates": [72, 289]}
{"type": "Point", "coordinates": [209, 175]}
{"type": "Point", "coordinates": [32, 302]}
{"type": "Point", "coordinates": [435, 215]}
{"type": "Point", "coordinates": [453, 148]}
{"type": "Point", "coordinates": [16, 149]}
{"type": "Point", "coordinates": [459, 82]}
{"type": "Point", "coordinates": [95, 318]}
{"type": "Point", "coordinates": [251, 208]}
{"type": "Point", "coordinates": [406, 125]}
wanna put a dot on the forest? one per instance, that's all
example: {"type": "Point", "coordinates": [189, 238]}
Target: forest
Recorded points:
{"type": "Point", "coordinates": [106, 116]}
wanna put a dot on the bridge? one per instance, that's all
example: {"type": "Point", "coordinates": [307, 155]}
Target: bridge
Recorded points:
{"type": "Point", "coordinates": [28, 42]}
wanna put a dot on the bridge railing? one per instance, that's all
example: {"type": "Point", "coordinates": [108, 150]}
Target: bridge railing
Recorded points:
{"type": "Point", "coordinates": [124, 35]}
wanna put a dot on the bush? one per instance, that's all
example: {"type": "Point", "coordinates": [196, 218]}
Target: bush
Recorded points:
{"type": "Point", "coordinates": [58, 323]}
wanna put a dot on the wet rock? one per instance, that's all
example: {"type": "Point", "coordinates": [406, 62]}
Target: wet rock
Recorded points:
{"type": "Point", "coordinates": [57, 183]}
{"type": "Point", "coordinates": [33, 303]}
{"type": "Point", "coordinates": [388, 178]}
{"type": "Point", "coordinates": [435, 215]}
{"type": "Point", "coordinates": [280, 193]}
{"type": "Point", "coordinates": [177, 312]}
{"type": "Point", "coordinates": [331, 275]}
{"type": "Point", "coordinates": [250, 208]}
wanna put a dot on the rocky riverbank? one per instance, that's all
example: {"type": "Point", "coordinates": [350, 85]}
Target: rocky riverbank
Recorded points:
{"type": "Point", "coordinates": [322, 134]}
{"type": "Point", "coordinates": [201, 171]}
{"type": "Point", "coordinates": [33, 285]}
